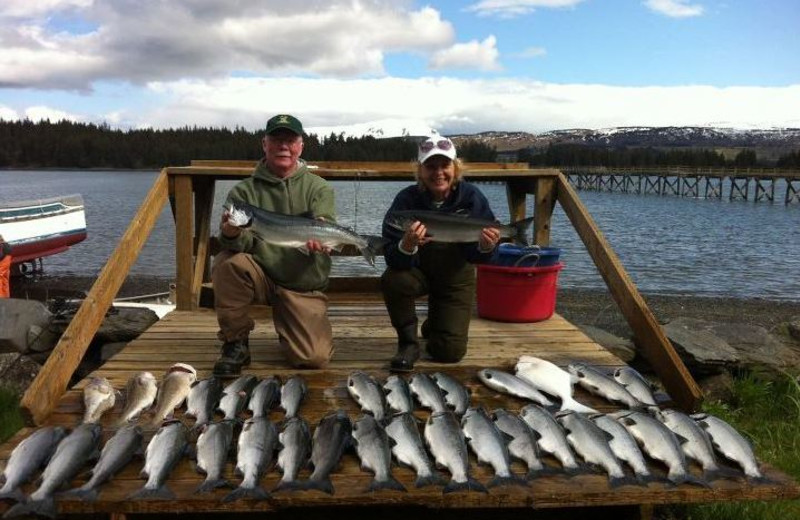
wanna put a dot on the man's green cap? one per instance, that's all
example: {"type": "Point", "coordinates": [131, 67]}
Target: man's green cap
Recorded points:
{"type": "Point", "coordinates": [285, 121]}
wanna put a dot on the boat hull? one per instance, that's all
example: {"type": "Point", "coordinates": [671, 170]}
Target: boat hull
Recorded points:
{"type": "Point", "coordinates": [45, 227]}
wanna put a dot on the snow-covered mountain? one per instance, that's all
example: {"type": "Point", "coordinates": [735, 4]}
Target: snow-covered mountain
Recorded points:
{"type": "Point", "coordinates": [695, 136]}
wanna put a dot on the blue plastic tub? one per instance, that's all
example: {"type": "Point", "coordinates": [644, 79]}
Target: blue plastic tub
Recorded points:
{"type": "Point", "coordinates": [511, 255]}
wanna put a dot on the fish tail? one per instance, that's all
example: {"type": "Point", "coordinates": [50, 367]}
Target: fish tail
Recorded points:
{"type": "Point", "coordinates": [689, 479]}
{"type": "Point", "coordinates": [390, 483]}
{"type": "Point", "coordinates": [325, 485]}
{"type": "Point", "coordinates": [615, 482]}
{"type": "Point", "coordinates": [212, 484]}
{"type": "Point", "coordinates": [44, 507]}
{"type": "Point", "coordinates": [255, 493]}
{"type": "Point", "coordinates": [759, 479]}
{"type": "Point", "coordinates": [511, 480]}
{"type": "Point", "coordinates": [430, 480]}
{"type": "Point", "coordinates": [544, 471]}
{"type": "Point", "coordinates": [85, 494]}
{"type": "Point", "coordinates": [721, 473]}
{"type": "Point", "coordinates": [159, 493]}
{"type": "Point", "coordinates": [15, 494]}
{"type": "Point", "coordinates": [521, 231]}
{"type": "Point", "coordinates": [470, 485]}
{"type": "Point", "coordinates": [571, 471]}
{"type": "Point", "coordinates": [372, 249]}
{"type": "Point", "coordinates": [288, 485]}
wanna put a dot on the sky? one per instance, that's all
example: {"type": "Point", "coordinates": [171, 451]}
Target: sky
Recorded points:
{"type": "Point", "coordinates": [395, 67]}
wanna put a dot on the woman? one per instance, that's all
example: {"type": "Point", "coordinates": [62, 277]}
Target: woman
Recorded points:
{"type": "Point", "coordinates": [417, 265]}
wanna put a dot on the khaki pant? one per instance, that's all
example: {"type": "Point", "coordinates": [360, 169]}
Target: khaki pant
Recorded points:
{"type": "Point", "coordinates": [300, 318]}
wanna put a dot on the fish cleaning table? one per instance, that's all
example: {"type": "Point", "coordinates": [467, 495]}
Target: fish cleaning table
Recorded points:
{"type": "Point", "coordinates": [365, 340]}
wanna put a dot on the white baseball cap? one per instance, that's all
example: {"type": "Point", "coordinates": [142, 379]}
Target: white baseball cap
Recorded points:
{"type": "Point", "coordinates": [436, 145]}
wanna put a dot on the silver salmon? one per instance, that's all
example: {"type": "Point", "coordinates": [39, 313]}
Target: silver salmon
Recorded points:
{"type": "Point", "coordinates": [140, 393]}
{"type": "Point", "coordinates": [70, 456]}
{"type": "Point", "coordinates": [456, 228]}
{"type": "Point", "coordinates": [332, 436]}
{"type": "Point", "coordinates": [372, 446]}
{"type": "Point", "coordinates": [29, 455]}
{"type": "Point", "coordinates": [295, 230]}
{"type": "Point", "coordinates": [118, 451]}
{"type": "Point", "coordinates": [257, 443]}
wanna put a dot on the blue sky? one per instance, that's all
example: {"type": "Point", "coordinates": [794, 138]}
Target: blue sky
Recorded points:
{"type": "Point", "coordinates": [403, 66]}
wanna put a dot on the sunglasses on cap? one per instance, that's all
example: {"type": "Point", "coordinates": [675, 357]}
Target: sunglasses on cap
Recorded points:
{"type": "Point", "coordinates": [443, 144]}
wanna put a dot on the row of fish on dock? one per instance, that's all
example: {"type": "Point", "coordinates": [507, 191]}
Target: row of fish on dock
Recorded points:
{"type": "Point", "coordinates": [553, 423]}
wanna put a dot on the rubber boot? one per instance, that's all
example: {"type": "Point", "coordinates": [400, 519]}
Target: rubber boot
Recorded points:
{"type": "Point", "coordinates": [407, 349]}
{"type": "Point", "coordinates": [235, 355]}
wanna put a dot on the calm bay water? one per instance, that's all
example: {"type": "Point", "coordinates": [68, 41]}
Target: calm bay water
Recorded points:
{"type": "Point", "coordinates": [668, 244]}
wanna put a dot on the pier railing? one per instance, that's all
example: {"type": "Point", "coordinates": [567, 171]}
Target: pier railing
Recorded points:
{"type": "Point", "coordinates": [190, 190]}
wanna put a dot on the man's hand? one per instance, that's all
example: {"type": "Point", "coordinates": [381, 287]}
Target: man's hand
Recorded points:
{"type": "Point", "coordinates": [227, 229]}
{"type": "Point", "coordinates": [489, 239]}
{"type": "Point", "coordinates": [315, 246]}
{"type": "Point", "coordinates": [415, 236]}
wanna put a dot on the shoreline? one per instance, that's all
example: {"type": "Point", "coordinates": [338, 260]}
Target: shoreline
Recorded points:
{"type": "Point", "coordinates": [582, 306]}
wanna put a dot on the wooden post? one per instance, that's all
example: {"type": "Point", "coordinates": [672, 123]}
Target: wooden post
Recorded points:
{"type": "Point", "coordinates": [543, 207]}
{"type": "Point", "coordinates": [44, 392]}
{"type": "Point", "coordinates": [184, 239]}
{"type": "Point", "coordinates": [655, 346]}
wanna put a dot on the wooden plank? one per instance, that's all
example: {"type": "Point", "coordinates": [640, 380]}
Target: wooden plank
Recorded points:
{"type": "Point", "coordinates": [52, 379]}
{"type": "Point", "coordinates": [654, 343]}
{"type": "Point", "coordinates": [545, 202]}
{"type": "Point", "coordinates": [184, 238]}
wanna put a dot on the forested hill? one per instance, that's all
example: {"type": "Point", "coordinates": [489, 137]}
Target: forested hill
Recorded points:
{"type": "Point", "coordinates": [66, 144]}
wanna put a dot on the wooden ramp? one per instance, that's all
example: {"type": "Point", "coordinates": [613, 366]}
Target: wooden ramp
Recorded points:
{"type": "Point", "coordinates": [365, 340]}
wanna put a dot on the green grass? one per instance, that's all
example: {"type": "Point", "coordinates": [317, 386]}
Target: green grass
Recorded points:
{"type": "Point", "coordinates": [10, 418]}
{"type": "Point", "coordinates": [768, 413]}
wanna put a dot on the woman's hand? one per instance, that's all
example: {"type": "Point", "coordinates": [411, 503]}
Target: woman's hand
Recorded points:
{"type": "Point", "coordinates": [415, 236]}
{"type": "Point", "coordinates": [489, 239]}
{"type": "Point", "coordinates": [227, 229]}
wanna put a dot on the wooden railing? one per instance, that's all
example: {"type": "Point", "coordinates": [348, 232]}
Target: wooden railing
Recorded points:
{"type": "Point", "coordinates": [191, 192]}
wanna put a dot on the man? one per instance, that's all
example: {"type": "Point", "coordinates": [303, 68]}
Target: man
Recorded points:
{"type": "Point", "coordinates": [5, 268]}
{"type": "Point", "coordinates": [250, 270]}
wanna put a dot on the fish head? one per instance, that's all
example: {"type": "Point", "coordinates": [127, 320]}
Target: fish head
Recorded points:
{"type": "Point", "coordinates": [238, 216]}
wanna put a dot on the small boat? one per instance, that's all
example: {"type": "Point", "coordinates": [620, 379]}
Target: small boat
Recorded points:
{"type": "Point", "coordinates": [43, 227]}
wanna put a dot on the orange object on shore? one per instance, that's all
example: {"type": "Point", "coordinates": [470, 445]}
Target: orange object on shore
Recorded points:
{"type": "Point", "coordinates": [5, 276]}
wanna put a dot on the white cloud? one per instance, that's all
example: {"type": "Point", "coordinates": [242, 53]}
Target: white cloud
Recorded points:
{"type": "Point", "coordinates": [465, 106]}
{"type": "Point", "coordinates": [28, 8]}
{"type": "Point", "coordinates": [8, 114]}
{"type": "Point", "coordinates": [532, 52]}
{"type": "Point", "coordinates": [675, 8]}
{"type": "Point", "coordinates": [514, 8]}
{"type": "Point", "coordinates": [39, 113]}
{"type": "Point", "coordinates": [471, 55]}
{"type": "Point", "coordinates": [151, 40]}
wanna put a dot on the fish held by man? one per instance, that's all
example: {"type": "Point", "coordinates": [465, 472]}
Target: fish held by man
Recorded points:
{"type": "Point", "coordinates": [296, 230]}
{"type": "Point", "coordinates": [457, 228]}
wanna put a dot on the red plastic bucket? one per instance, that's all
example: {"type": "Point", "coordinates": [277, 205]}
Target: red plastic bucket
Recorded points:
{"type": "Point", "coordinates": [518, 294]}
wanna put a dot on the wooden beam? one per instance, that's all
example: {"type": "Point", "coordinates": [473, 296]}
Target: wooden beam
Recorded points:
{"type": "Point", "coordinates": [184, 238]}
{"type": "Point", "coordinates": [44, 392]}
{"type": "Point", "coordinates": [545, 202]}
{"type": "Point", "coordinates": [655, 345]}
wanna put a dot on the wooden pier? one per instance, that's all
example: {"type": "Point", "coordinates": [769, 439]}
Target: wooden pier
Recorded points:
{"type": "Point", "coordinates": [363, 339]}
{"type": "Point", "coordinates": [708, 183]}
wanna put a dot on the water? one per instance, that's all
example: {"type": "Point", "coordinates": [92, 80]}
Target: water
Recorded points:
{"type": "Point", "coordinates": [668, 244]}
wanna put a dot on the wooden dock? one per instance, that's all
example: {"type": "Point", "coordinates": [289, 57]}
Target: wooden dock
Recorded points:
{"type": "Point", "coordinates": [709, 183]}
{"type": "Point", "coordinates": [364, 339]}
